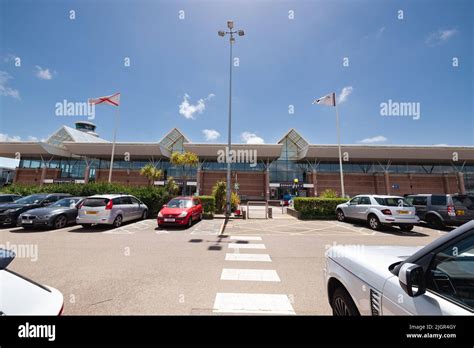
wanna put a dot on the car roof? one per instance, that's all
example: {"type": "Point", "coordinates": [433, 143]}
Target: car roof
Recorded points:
{"type": "Point", "coordinates": [112, 195]}
{"type": "Point", "coordinates": [380, 196]}
{"type": "Point", "coordinates": [9, 194]}
{"type": "Point", "coordinates": [185, 197]}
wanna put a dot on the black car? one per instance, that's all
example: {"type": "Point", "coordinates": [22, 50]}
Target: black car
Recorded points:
{"type": "Point", "coordinates": [8, 198]}
{"type": "Point", "coordinates": [56, 215]}
{"type": "Point", "coordinates": [10, 212]}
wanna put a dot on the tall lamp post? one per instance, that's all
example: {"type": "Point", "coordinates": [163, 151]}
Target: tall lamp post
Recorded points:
{"type": "Point", "coordinates": [231, 33]}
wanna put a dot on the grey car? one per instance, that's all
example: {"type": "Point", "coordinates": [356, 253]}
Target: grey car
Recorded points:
{"type": "Point", "coordinates": [56, 215]}
{"type": "Point", "coordinates": [113, 209]}
{"type": "Point", "coordinates": [443, 210]}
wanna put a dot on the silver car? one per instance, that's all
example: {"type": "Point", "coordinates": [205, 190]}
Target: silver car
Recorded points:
{"type": "Point", "coordinates": [113, 209]}
{"type": "Point", "coordinates": [378, 211]}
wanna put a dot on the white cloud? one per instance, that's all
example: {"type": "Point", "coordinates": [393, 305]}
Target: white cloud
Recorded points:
{"type": "Point", "coordinates": [441, 36]}
{"type": "Point", "coordinates": [251, 138]}
{"type": "Point", "coordinates": [43, 74]}
{"type": "Point", "coordinates": [189, 110]}
{"type": "Point", "coordinates": [12, 138]}
{"type": "Point", "coordinates": [210, 134]}
{"type": "Point", "coordinates": [346, 91]}
{"type": "Point", "coordinates": [4, 89]}
{"type": "Point", "coordinates": [373, 140]}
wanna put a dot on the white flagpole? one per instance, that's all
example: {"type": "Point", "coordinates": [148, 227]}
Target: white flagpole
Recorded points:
{"type": "Point", "coordinates": [113, 144]}
{"type": "Point", "coordinates": [339, 146]}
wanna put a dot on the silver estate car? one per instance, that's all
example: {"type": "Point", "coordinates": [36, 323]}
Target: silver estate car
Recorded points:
{"type": "Point", "coordinates": [113, 209]}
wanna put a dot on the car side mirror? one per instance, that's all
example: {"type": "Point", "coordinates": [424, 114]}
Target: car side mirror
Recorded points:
{"type": "Point", "coordinates": [165, 205]}
{"type": "Point", "coordinates": [45, 203]}
{"type": "Point", "coordinates": [412, 279]}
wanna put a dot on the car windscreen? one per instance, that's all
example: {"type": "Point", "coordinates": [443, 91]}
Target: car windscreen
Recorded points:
{"type": "Point", "coordinates": [66, 202]}
{"type": "Point", "coordinates": [466, 201]}
{"type": "Point", "coordinates": [33, 199]}
{"type": "Point", "coordinates": [95, 202]}
{"type": "Point", "coordinates": [180, 203]}
{"type": "Point", "coordinates": [393, 201]}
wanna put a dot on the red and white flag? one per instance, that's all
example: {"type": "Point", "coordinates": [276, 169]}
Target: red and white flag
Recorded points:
{"type": "Point", "coordinates": [113, 99]}
{"type": "Point", "coordinates": [329, 99]}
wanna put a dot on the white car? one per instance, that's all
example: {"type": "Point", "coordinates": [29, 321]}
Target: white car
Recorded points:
{"type": "Point", "coordinates": [378, 211]}
{"type": "Point", "coordinates": [437, 279]}
{"type": "Point", "coordinates": [22, 296]}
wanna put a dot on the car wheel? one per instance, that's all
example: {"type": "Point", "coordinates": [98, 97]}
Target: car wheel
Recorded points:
{"type": "Point", "coordinates": [144, 215]}
{"type": "Point", "coordinates": [406, 228]}
{"type": "Point", "coordinates": [340, 215]}
{"type": "Point", "coordinates": [342, 304]}
{"type": "Point", "coordinates": [374, 222]}
{"type": "Point", "coordinates": [60, 222]}
{"type": "Point", "coordinates": [434, 222]}
{"type": "Point", "coordinates": [118, 221]}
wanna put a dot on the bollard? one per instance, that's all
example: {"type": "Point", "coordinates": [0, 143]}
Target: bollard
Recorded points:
{"type": "Point", "coordinates": [244, 214]}
{"type": "Point", "coordinates": [270, 213]}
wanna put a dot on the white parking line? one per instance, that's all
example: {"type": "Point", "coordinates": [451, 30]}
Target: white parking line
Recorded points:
{"type": "Point", "coordinates": [248, 257]}
{"type": "Point", "coordinates": [245, 237]}
{"type": "Point", "coordinates": [246, 246]}
{"type": "Point", "coordinates": [253, 275]}
{"type": "Point", "coordinates": [252, 304]}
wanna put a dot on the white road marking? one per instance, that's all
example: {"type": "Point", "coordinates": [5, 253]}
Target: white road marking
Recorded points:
{"type": "Point", "coordinates": [252, 303]}
{"type": "Point", "coordinates": [248, 257]}
{"type": "Point", "coordinates": [246, 246]}
{"type": "Point", "coordinates": [245, 238]}
{"type": "Point", "coordinates": [253, 275]}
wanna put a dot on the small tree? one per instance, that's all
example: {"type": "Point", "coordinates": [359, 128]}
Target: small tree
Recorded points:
{"type": "Point", "coordinates": [171, 186]}
{"type": "Point", "coordinates": [151, 173]}
{"type": "Point", "coordinates": [218, 191]}
{"type": "Point", "coordinates": [185, 161]}
{"type": "Point", "coordinates": [328, 193]}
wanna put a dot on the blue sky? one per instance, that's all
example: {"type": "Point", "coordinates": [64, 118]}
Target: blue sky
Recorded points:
{"type": "Point", "coordinates": [283, 62]}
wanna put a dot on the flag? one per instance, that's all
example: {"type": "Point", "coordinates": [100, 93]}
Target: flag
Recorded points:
{"type": "Point", "coordinates": [113, 99]}
{"type": "Point", "coordinates": [329, 99]}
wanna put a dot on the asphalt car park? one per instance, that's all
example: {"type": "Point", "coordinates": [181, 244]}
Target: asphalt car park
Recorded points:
{"type": "Point", "coordinates": [261, 266]}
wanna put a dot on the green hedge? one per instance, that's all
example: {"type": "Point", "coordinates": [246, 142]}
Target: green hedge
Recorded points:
{"type": "Point", "coordinates": [208, 205]}
{"type": "Point", "coordinates": [153, 197]}
{"type": "Point", "coordinates": [317, 208]}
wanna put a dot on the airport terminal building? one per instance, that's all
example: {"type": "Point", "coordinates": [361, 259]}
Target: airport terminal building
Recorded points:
{"type": "Point", "coordinates": [265, 171]}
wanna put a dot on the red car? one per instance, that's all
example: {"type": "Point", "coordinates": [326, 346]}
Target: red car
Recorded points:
{"type": "Point", "coordinates": [180, 211]}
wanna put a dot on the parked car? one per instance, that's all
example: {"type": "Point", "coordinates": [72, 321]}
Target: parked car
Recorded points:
{"type": "Point", "coordinates": [8, 198]}
{"type": "Point", "coordinates": [437, 279]}
{"type": "Point", "coordinates": [180, 211]}
{"type": "Point", "coordinates": [113, 209]}
{"type": "Point", "coordinates": [439, 211]}
{"type": "Point", "coordinates": [56, 215]}
{"type": "Point", "coordinates": [378, 211]}
{"type": "Point", "coordinates": [22, 296]}
{"type": "Point", "coordinates": [10, 212]}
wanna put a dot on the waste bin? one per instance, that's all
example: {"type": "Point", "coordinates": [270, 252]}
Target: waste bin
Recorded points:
{"type": "Point", "coordinates": [270, 213]}
{"type": "Point", "coordinates": [244, 214]}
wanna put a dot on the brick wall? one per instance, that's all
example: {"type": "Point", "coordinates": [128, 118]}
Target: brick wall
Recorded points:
{"type": "Point", "coordinates": [251, 185]}
{"type": "Point", "coordinates": [33, 175]}
{"type": "Point", "coordinates": [121, 176]}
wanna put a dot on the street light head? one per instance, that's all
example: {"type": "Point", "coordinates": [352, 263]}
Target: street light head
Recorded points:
{"type": "Point", "coordinates": [221, 33]}
{"type": "Point", "coordinates": [230, 25]}
{"type": "Point", "coordinates": [232, 39]}
{"type": "Point", "coordinates": [241, 33]}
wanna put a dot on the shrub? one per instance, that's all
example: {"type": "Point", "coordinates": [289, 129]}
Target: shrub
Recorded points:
{"type": "Point", "coordinates": [208, 206]}
{"type": "Point", "coordinates": [317, 208]}
{"type": "Point", "coordinates": [153, 197]}
{"type": "Point", "coordinates": [234, 201]}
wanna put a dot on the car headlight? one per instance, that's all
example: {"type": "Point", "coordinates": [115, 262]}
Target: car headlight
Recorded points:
{"type": "Point", "coordinates": [160, 214]}
{"type": "Point", "coordinates": [44, 217]}
{"type": "Point", "coordinates": [183, 214]}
